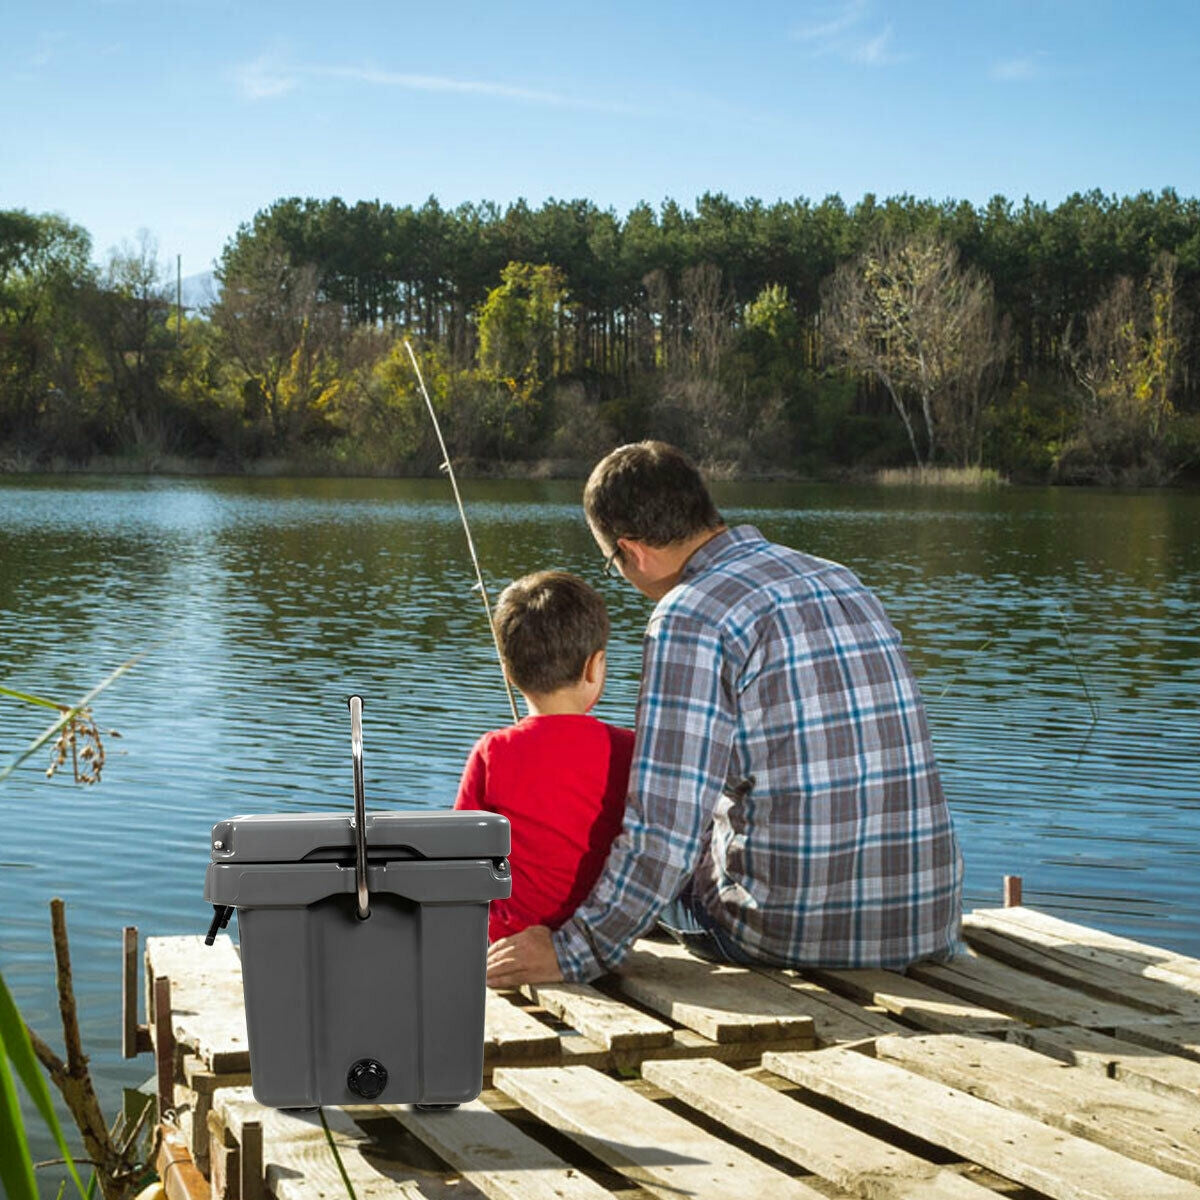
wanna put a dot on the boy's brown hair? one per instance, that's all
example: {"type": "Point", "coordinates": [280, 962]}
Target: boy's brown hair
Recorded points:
{"type": "Point", "coordinates": [548, 625]}
{"type": "Point", "coordinates": [651, 492]}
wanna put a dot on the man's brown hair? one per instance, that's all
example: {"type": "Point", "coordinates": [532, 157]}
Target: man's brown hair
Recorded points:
{"type": "Point", "coordinates": [548, 625]}
{"type": "Point", "coordinates": [648, 491]}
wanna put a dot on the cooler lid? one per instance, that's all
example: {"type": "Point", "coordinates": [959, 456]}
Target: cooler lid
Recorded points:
{"type": "Point", "coordinates": [325, 837]}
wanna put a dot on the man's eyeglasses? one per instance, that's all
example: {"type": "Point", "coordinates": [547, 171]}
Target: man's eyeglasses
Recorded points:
{"type": "Point", "coordinates": [610, 564]}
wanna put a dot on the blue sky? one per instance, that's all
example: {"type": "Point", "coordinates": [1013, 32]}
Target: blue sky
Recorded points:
{"type": "Point", "coordinates": [184, 119]}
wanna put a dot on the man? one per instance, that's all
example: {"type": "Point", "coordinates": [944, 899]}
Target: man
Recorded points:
{"type": "Point", "coordinates": [784, 803]}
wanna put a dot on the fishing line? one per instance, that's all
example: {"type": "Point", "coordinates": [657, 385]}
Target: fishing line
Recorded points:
{"type": "Point", "coordinates": [479, 585]}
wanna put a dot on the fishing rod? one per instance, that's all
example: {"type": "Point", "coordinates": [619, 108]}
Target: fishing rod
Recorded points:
{"type": "Point", "coordinates": [479, 584]}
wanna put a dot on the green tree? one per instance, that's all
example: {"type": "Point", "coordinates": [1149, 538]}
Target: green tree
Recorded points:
{"type": "Point", "coordinates": [910, 316]}
{"type": "Point", "coordinates": [46, 357]}
{"type": "Point", "coordinates": [283, 335]}
{"type": "Point", "coordinates": [1128, 367]}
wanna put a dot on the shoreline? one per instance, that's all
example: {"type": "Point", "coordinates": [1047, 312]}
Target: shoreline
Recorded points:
{"type": "Point", "coordinates": [168, 466]}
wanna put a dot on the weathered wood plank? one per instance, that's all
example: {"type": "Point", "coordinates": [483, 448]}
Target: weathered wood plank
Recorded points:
{"type": "Point", "coordinates": [1137, 958]}
{"type": "Point", "coordinates": [855, 1161]}
{"type": "Point", "coordinates": [1138, 1066]}
{"type": "Point", "coordinates": [510, 1033]}
{"type": "Point", "coordinates": [1019, 994]}
{"type": "Point", "coordinates": [500, 1160]}
{"type": "Point", "coordinates": [1151, 1129]}
{"type": "Point", "coordinates": [578, 1051]}
{"type": "Point", "coordinates": [1013, 1145]}
{"type": "Point", "coordinates": [181, 1178]}
{"type": "Point", "coordinates": [647, 1143]}
{"type": "Point", "coordinates": [614, 1025]}
{"type": "Point", "coordinates": [835, 1019]}
{"type": "Point", "coordinates": [722, 1002]}
{"type": "Point", "coordinates": [924, 1006]}
{"type": "Point", "coordinates": [1174, 1037]}
{"type": "Point", "coordinates": [297, 1162]}
{"type": "Point", "coordinates": [207, 1010]}
{"type": "Point", "coordinates": [1042, 957]}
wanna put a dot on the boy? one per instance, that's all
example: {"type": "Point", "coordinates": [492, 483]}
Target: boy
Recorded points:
{"type": "Point", "coordinates": [558, 775]}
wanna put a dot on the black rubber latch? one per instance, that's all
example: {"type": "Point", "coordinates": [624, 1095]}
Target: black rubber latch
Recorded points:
{"type": "Point", "coordinates": [221, 915]}
{"type": "Point", "coordinates": [367, 1078]}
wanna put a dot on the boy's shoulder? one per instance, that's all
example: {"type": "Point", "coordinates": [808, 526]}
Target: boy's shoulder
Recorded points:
{"type": "Point", "coordinates": [563, 726]}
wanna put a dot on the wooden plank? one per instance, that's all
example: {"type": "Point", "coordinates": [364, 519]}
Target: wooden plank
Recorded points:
{"type": "Point", "coordinates": [609, 1022]}
{"type": "Point", "coordinates": [200, 1079]}
{"type": "Point", "coordinates": [511, 1034]}
{"type": "Point", "coordinates": [180, 1178]}
{"type": "Point", "coordinates": [1151, 1129]}
{"type": "Point", "coordinates": [916, 1002]}
{"type": "Point", "coordinates": [129, 976]}
{"type": "Point", "coordinates": [208, 1011]}
{"type": "Point", "coordinates": [1138, 1066]}
{"type": "Point", "coordinates": [855, 1161]}
{"type": "Point", "coordinates": [500, 1160]}
{"type": "Point", "coordinates": [164, 1048]}
{"type": "Point", "coordinates": [835, 1019]}
{"type": "Point", "coordinates": [720, 1001]}
{"type": "Point", "coordinates": [1173, 1037]}
{"type": "Point", "coordinates": [296, 1161]}
{"type": "Point", "coordinates": [224, 1161]}
{"type": "Point", "coordinates": [1059, 1164]}
{"type": "Point", "coordinates": [1137, 958]}
{"type": "Point", "coordinates": [1036, 1001]}
{"type": "Point", "coordinates": [647, 1143]}
{"type": "Point", "coordinates": [251, 1167]}
{"type": "Point", "coordinates": [579, 1051]}
{"type": "Point", "coordinates": [1070, 970]}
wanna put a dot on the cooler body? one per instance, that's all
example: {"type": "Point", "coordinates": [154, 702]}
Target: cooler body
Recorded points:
{"type": "Point", "coordinates": [399, 995]}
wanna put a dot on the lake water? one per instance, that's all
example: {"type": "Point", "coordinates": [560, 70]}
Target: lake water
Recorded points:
{"type": "Point", "coordinates": [1056, 635]}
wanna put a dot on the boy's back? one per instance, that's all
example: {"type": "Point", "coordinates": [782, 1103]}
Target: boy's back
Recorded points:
{"type": "Point", "coordinates": [561, 780]}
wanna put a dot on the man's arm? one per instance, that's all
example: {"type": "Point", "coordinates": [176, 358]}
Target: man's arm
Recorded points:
{"type": "Point", "coordinates": [685, 725]}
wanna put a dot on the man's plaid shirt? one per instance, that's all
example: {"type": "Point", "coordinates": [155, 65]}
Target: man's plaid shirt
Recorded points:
{"type": "Point", "coordinates": [782, 756]}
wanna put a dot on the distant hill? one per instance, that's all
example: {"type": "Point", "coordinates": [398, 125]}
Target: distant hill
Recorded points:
{"type": "Point", "coordinates": [199, 291]}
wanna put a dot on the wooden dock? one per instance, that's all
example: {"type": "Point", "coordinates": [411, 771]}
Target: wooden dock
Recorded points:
{"type": "Point", "coordinates": [1055, 1060]}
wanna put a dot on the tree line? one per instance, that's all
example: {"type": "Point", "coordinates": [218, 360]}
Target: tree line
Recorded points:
{"type": "Point", "coordinates": [1050, 343]}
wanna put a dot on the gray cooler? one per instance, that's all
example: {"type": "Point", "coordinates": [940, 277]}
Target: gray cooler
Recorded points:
{"type": "Point", "coordinates": [342, 1009]}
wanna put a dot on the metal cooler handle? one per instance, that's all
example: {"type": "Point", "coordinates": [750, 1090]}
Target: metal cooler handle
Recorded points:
{"type": "Point", "coordinates": [360, 808]}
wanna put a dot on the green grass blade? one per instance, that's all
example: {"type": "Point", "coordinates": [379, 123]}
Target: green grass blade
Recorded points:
{"type": "Point", "coordinates": [17, 1046]}
{"type": "Point", "coordinates": [43, 738]}
{"type": "Point", "coordinates": [337, 1158]}
{"type": "Point", "coordinates": [41, 701]}
{"type": "Point", "coordinates": [16, 1164]}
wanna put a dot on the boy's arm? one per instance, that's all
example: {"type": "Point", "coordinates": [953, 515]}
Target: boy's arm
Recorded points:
{"type": "Point", "coordinates": [472, 788]}
{"type": "Point", "coordinates": [685, 728]}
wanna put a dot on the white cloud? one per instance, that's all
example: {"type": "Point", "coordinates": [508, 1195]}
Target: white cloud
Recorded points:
{"type": "Point", "coordinates": [834, 25]}
{"type": "Point", "coordinates": [1010, 69]}
{"type": "Point", "coordinates": [264, 78]}
{"type": "Point", "coordinates": [270, 75]}
{"type": "Point", "coordinates": [439, 83]}
{"type": "Point", "coordinates": [875, 53]}
{"type": "Point", "coordinates": [846, 33]}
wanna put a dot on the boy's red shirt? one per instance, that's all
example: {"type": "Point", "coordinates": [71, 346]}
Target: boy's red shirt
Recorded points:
{"type": "Point", "coordinates": [561, 781]}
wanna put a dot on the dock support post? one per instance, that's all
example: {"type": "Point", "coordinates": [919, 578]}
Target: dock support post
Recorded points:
{"type": "Point", "coordinates": [129, 1021]}
{"type": "Point", "coordinates": [164, 1047]}
{"type": "Point", "coordinates": [1012, 891]}
{"type": "Point", "coordinates": [251, 1165]}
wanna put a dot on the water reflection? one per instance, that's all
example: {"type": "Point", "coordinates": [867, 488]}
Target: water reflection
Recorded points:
{"type": "Point", "coordinates": [1055, 634]}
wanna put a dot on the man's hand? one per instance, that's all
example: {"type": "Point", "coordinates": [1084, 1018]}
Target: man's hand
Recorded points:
{"type": "Point", "coordinates": [525, 957]}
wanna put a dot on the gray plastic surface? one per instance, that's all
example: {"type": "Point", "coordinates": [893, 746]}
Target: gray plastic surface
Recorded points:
{"type": "Point", "coordinates": [296, 837]}
{"type": "Point", "coordinates": [324, 990]}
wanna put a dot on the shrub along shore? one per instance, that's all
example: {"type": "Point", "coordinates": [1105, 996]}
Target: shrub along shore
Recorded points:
{"type": "Point", "coordinates": [792, 340]}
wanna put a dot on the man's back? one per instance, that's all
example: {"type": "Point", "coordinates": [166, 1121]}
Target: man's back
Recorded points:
{"type": "Point", "coordinates": [831, 841]}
